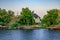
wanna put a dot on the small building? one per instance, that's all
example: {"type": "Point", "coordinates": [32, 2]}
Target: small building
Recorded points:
{"type": "Point", "coordinates": [37, 19]}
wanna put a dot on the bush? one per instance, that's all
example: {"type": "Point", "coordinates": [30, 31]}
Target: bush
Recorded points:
{"type": "Point", "coordinates": [43, 25]}
{"type": "Point", "coordinates": [13, 26]}
{"type": "Point", "coordinates": [2, 23]}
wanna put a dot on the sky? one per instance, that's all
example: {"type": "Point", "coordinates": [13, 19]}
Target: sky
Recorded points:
{"type": "Point", "coordinates": [40, 7]}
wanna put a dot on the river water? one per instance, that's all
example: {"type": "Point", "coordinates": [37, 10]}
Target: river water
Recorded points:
{"type": "Point", "coordinates": [41, 34]}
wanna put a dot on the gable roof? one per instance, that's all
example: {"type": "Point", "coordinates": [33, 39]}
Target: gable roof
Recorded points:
{"type": "Point", "coordinates": [36, 16]}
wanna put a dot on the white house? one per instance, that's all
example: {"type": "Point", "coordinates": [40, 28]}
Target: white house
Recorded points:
{"type": "Point", "coordinates": [37, 18]}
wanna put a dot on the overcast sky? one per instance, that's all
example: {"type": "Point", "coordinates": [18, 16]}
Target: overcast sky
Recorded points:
{"type": "Point", "coordinates": [39, 6]}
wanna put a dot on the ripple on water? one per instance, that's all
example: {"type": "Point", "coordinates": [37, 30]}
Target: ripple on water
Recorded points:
{"type": "Point", "coordinates": [41, 34]}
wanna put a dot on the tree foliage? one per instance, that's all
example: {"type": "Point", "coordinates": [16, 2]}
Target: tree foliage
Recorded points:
{"type": "Point", "coordinates": [50, 18]}
{"type": "Point", "coordinates": [27, 17]}
{"type": "Point", "coordinates": [5, 17]}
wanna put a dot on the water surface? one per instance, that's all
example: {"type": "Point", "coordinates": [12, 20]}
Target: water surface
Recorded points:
{"type": "Point", "coordinates": [41, 34]}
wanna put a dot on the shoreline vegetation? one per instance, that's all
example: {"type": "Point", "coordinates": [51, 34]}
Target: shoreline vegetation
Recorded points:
{"type": "Point", "coordinates": [26, 21]}
{"type": "Point", "coordinates": [26, 27]}
{"type": "Point", "coordinates": [30, 27]}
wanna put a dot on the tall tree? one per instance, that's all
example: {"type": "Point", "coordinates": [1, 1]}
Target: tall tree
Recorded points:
{"type": "Point", "coordinates": [5, 17]}
{"type": "Point", "coordinates": [50, 18]}
{"type": "Point", "coordinates": [27, 17]}
{"type": "Point", "coordinates": [10, 15]}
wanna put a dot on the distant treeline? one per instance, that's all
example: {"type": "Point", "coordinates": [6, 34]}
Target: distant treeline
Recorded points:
{"type": "Point", "coordinates": [27, 17]}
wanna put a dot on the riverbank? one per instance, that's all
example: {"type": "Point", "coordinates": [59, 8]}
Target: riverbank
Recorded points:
{"type": "Point", "coordinates": [31, 27]}
{"type": "Point", "coordinates": [54, 27]}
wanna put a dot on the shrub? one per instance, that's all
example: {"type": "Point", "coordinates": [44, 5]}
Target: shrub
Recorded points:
{"type": "Point", "coordinates": [43, 25]}
{"type": "Point", "coordinates": [2, 23]}
{"type": "Point", "coordinates": [13, 26]}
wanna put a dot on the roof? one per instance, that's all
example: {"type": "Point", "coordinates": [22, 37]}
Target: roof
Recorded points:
{"type": "Point", "coordinates": [36, 16]}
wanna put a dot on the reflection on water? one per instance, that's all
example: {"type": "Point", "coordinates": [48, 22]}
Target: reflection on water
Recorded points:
{"type": "Point", "coordinates": [41, 34]}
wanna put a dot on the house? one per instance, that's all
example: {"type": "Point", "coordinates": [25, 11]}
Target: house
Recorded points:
{"type": "Point", "coordinates": [37, 19]}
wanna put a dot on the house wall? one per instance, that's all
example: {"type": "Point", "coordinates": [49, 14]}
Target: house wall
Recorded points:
{"type": "Point", "coordinates": [37, 20]}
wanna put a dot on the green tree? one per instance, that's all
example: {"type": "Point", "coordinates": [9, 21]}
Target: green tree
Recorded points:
{"type": "Point", "coordinates": [50, 18]}
{"type": "Point", "coordinates": [5, 17]}
{"type": "Point", "coordinates": [27, 17]}
{"type": "Point", "coordinates": [58, 18]}
{"type": "Point", "coordinates": [10, 15]}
